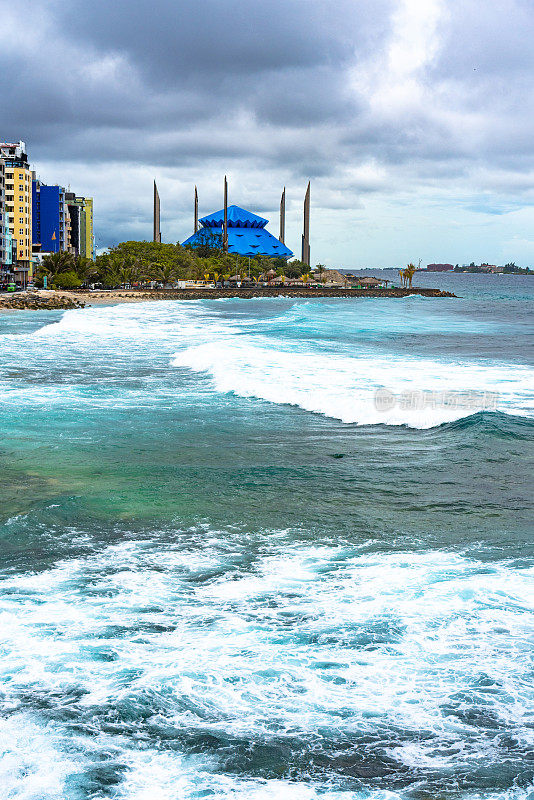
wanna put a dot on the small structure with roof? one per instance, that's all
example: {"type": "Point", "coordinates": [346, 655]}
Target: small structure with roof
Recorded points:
{"type": "Point", "coordinates": [366, 282]}
{"type": "Point", "coordinates": [330, 277]}
{"type": "Point", "coordinates": [370, 282]}
{"type": "Point", "coordinates": [267, 276]}
{"type": "Point", "coordinates": [247, 234]}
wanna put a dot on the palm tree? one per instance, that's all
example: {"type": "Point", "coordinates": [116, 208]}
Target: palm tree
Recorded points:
{"type": "Point", "coordinates": [191, 270]}
{"type": "Point", "coordinates": [85, 268]}
{"type": "Point", "coordinates": [321, 270]}
{"type": "Point", "coordinates": [120, 270]}
{"type": "Point", "coordinates": [127, 275]}
{"type": "Point", "coordinates": [198, 271]}
{"type": "Point", "coordinates": [59, 262]}
{"type": "Point", "coordinates": [409, 272]}
{"type": "Point", "coordinates": [165, 273]}
{"type": "Point", "coordinates": [109, 275]}
{"type": "Point", "coordinates": [128, 270]}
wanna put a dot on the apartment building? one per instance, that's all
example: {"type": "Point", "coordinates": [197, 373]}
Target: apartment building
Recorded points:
{"type": "Point", "coordinates": [2, 214]}
{"type": "Point", "coordinates": [81, 225]}
{"type": "Point", "coordinates": [18, 202]}
{"type": "Point", "coordinates": [50, 218]}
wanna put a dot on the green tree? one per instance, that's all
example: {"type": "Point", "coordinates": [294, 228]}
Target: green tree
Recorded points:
{"type": "Point", "coordinates": [165, 273]}
{"type": "Point", "coordinates": [85, 268]}
{"type": "Point", "coordinates": [208, 243]}
{"type": "Point", "coordinates": [293, 270]}
{"type": "Point", "coordinates": [154, 261]}
{"type": "Point", "coordinates": [66, 280]}
{"type": "Point", "coordinates": [58, 262]}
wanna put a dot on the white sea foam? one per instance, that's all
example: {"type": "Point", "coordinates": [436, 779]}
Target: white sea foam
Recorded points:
{"type": "Point", "coordinates": [169, 777]}
{"type": "Point", "coordinates": [142, 322]}
{"type": "Point", "coordinates": [34, 762]}
{"type": "Point", "coordinates": [302, 643]}
{"type": "Point", "coordinates": [285, 356]}
{"type": "Point", "coordinates": [344, 387]}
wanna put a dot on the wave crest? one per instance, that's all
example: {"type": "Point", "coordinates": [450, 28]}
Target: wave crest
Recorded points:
{"type": "Point", "coordinates": [344, 387]}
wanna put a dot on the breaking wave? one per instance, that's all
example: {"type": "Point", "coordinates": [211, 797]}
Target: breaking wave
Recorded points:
{"type": "Point", "coordinates": [422, 393]}
{"type": "Point", "coordinates": [325, 358]}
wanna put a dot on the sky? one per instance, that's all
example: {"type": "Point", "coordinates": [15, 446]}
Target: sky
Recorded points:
{"type": "Point", "coordinates": [413, 119]}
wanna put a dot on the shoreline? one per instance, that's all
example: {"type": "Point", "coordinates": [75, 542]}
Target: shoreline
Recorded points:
{"type": "Point", "coordinates": [52, 299]}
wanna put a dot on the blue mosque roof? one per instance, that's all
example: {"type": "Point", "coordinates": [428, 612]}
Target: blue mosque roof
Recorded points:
{"type": "Point", "coordinates": [247, 235]}
{"type": "Point", "coordinates": [237, 218]}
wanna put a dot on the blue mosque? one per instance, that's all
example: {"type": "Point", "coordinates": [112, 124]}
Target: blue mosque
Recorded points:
{"type": "Point", "coordinates": [247, 234]}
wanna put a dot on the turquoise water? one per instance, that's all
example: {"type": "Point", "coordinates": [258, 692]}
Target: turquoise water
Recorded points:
{"type": "Point", "coordinates": [228, 573]}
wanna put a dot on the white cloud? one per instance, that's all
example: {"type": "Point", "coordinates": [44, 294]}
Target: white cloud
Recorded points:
{"type": "Point", "coordinates": [398, 78]}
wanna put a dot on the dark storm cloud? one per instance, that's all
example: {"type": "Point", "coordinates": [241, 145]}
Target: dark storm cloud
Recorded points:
{"type": "Point", "coordinates": [101, 71]}
{"type": "Point", "coordinates": [237, 37]}
{"type": "Point", "coordinates": [364, 96]}
{"type": "Point", "coordinates": [303, 97]}
{"type": "Point", "coordinates": [112, 78]}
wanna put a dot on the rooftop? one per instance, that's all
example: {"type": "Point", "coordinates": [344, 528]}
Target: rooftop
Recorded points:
{"type": "Point", "coordinates": [237, 218]}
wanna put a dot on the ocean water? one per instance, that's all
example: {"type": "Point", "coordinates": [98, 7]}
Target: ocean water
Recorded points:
{"type": "Point", "coordinates": [229, 571]}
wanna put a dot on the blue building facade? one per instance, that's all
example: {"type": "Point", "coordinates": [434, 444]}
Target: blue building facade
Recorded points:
{"type": "Point", "coordinates": [49, 224]}
{"type": "Point", "coordinates": [247, 235]}
{"type": "Point", "coordinates": [9, 245]}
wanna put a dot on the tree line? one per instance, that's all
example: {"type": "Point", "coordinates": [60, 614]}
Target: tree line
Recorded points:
{"type": "Point", "coordinates": [142, 263]}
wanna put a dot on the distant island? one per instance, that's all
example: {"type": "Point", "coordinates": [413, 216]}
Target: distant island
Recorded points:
{"type": "Point", "coordinates": [486, 269]}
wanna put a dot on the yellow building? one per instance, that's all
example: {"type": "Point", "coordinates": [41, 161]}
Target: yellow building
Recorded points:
{"type": "Point", "coordinates": [89, 238]}
{"type": "Point", "coordinates": [18, 201]}
{"type": "Point", "coordinates": [81, 240]}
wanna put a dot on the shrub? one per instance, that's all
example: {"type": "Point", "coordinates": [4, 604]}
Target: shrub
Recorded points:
{"type": "Point", "coordinates": [67, 280]}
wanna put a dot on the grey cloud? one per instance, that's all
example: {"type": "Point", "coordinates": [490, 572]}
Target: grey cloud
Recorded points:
{"type": "Point", "coordinates": [175, 40]}
{"type": "Point", "coordinates": [486, 40]}
{"type": "Point", "coordinates": [270, 92]}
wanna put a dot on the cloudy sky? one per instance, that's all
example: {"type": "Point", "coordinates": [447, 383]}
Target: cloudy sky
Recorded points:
{"type": "Point", "coordinates": [413, 119]}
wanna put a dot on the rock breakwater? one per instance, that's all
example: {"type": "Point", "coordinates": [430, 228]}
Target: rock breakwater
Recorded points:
{"type": "Point", "coordinates": [32, 301]}
{"type": "Point", "coordinates": [132, 295]}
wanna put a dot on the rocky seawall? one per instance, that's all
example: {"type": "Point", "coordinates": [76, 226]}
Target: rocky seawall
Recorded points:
{"type": "Point", "coordinates": [195, 294]}
{"type": "Point", "coordinates": [30, 301]}
{"type": "Point", "coordinates": [51, 300]}
{"type": "Point", "coordinates": [125, 295]}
